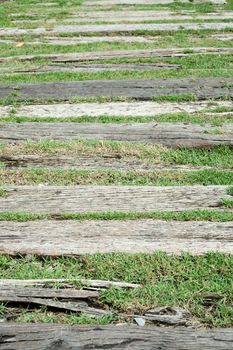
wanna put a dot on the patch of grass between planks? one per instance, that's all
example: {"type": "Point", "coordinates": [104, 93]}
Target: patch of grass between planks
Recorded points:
{"type": "Point", "coordinates": [189, 215]}
{"type": "Point", "coordinates": [195, 118]}
{"type": "Point", "coordinates": [228, 202]}
{"type": "Point", "coordinates": [115, 177]}
{"type": "Point", "coordinates": [167, 280]}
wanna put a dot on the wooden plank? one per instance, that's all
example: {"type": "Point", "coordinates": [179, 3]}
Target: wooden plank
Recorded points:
{"type": "Point", "coordinates": [80, 199]}
{"type": "Point", "coordinates": [167, 134]}
{"type": "Point", "coordinates": [75, 306]}
{"type": "Point", "coordinates": [133, 16]}
{"type": "Point", "coordinates": [121, 54]}
{"type": "Point", "coordinates": [81, 40]}
{"type": "Point", "coordinates": [125, 28]}
{"type": "Point", "coordinates": [89, 284]}
{"type": "Point", "coordinates": [144, 2]}
{"type": "Point", "coordinates": [105, 161]}
{"type": "Point", "coordinates": [223, 37]}
{"type": "Point", "coordinates": [141, 89]}
{"type": "Point", "coordinates": [156, 14]}
{"type": "Point", "coordinates": [118, 28]}
{"type": "Point", "coordinates": [68, 293]}
{"type": "Point", "coordinates": [50, 336]}
{"type": "Point", "coordinates": [73, 238]}
{"type": "Point", "coordinates": [129, 109]}
{"type": "Point", "coordinates": [89, 68]}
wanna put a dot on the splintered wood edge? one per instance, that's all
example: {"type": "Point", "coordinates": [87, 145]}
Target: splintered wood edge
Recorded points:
{"type": "Point", "coordinates": [84, 282]}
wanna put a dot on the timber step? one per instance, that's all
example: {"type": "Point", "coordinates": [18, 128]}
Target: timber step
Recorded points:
{"type": "Point", "coordinates": [120, 54]}
{"type": "Point", "coordinates": [105, 161]}
{"type": "Point", "coordinates": [49, 336]}
{"type": "Point", "coordinates": [118, 28]}
{"type": "Point", "coordinates": [141, 89]}
{"type": "Point", "coordinates": [168, 134]}
{"type": "Point", "coordinates": [74, 238]}
{"type": "Point", "coordinates": [91, 68]}
{"type": "Point", "coordinates": [80, 199]}
{"type": "Point", "coordinates": [145, 2]}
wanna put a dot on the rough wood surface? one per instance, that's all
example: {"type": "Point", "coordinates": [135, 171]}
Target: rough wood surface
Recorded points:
{"type": "Point", "coordinates": [172, 316]}
{"type": "Point", "coordinates": [69, 238]}
{"type": "Point", "coordinates": [157, 15]}
{"type": "Point", "coordinates": [131, 16]}
{"type": "Point", "coordinates": [125, 27]}
{"type": "Point", "coordinates": [7, 292]}
{"type": "Point", "coordinates": [90, 284]}
{"type": "Point", "coordinates": [82, 39]}
{"type": "Point", "coordinates": [104, 161]}
{"type": "Point", "coordinates": [79, 199]}
{"type": "Point", "coordinates": [75, 306]}
{"type": "Point", "coordinates": [223, 37]}
{"type": "Point", "coordinates": [141, 89]}
{"type": "Point", "coordinates": [117, 28]}
{"type": "Point", "coordinates": [90, 68]}
{"type": "Point", "coordinates": [168, 134]}
{"type": "Point", "coordinates": [121, 54]}
{"type": "Point", "coordinates": [50, 337]}
{"type": "Point", "coordinates": [132, 109]}
{"type": "Point", "coordinates": [144, 2]}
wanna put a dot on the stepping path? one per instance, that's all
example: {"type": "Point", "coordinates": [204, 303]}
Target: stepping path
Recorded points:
{"type": "Point", "coordinates": [53, 238]}
{"type": "Point", "coordinates": [33, 218]}
{"type": "Point", "coordinates": [80, 199]}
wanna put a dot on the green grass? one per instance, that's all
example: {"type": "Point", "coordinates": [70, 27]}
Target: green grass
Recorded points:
{"type": "Point", "coordinates": [44, 316]}
{"type": "Point", "coordinates": [197, 118]}
{"type": "Point", "coordinates": [115, 177]}
{"type": "Point", "coordinates": [3, 193]}
{"type": "Point", "coordinates": [189, 215]}
{"type": "Point", "coordinates": [228, 203]}
{"type": "Point", "coordinates": [166, 281]}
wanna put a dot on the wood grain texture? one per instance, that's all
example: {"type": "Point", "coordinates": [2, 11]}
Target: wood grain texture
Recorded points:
{"type": "Point", "coordinates": [7, 292]}
{"type": "Point", "coordinates": [132, 109]}
{"type": "Point", "coordinates": [79, 199]}
{"type": "Point", "coordinates": [56, 40]}
{"type": "Point", "coordinates": [91, 68]}
{"type": "Point", "coordinates": [143, 2]}
{"type": "Point", "coordinates": [120, 54]}
{"type": "Point", "coordinates": [167, 134]}
{"type": "Point", "coordinates": [89, 284]}
{"type": "Point", "coordinates": [141, 89]}
{"type": "Point", "coordinates": [77, 306]}
{"type": "Point", "coordinates": [105, 161]}
{"type": "Point", "coordinates": [130, 16]}
{"type": "Point", "coordinates": [51, 337]}
{"type": "Point", "coordinates": [117, 28]}
{"type": "Point", "coordinates": [155, 14]}
{"type": "Point", "coordinates": [73, 238]}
